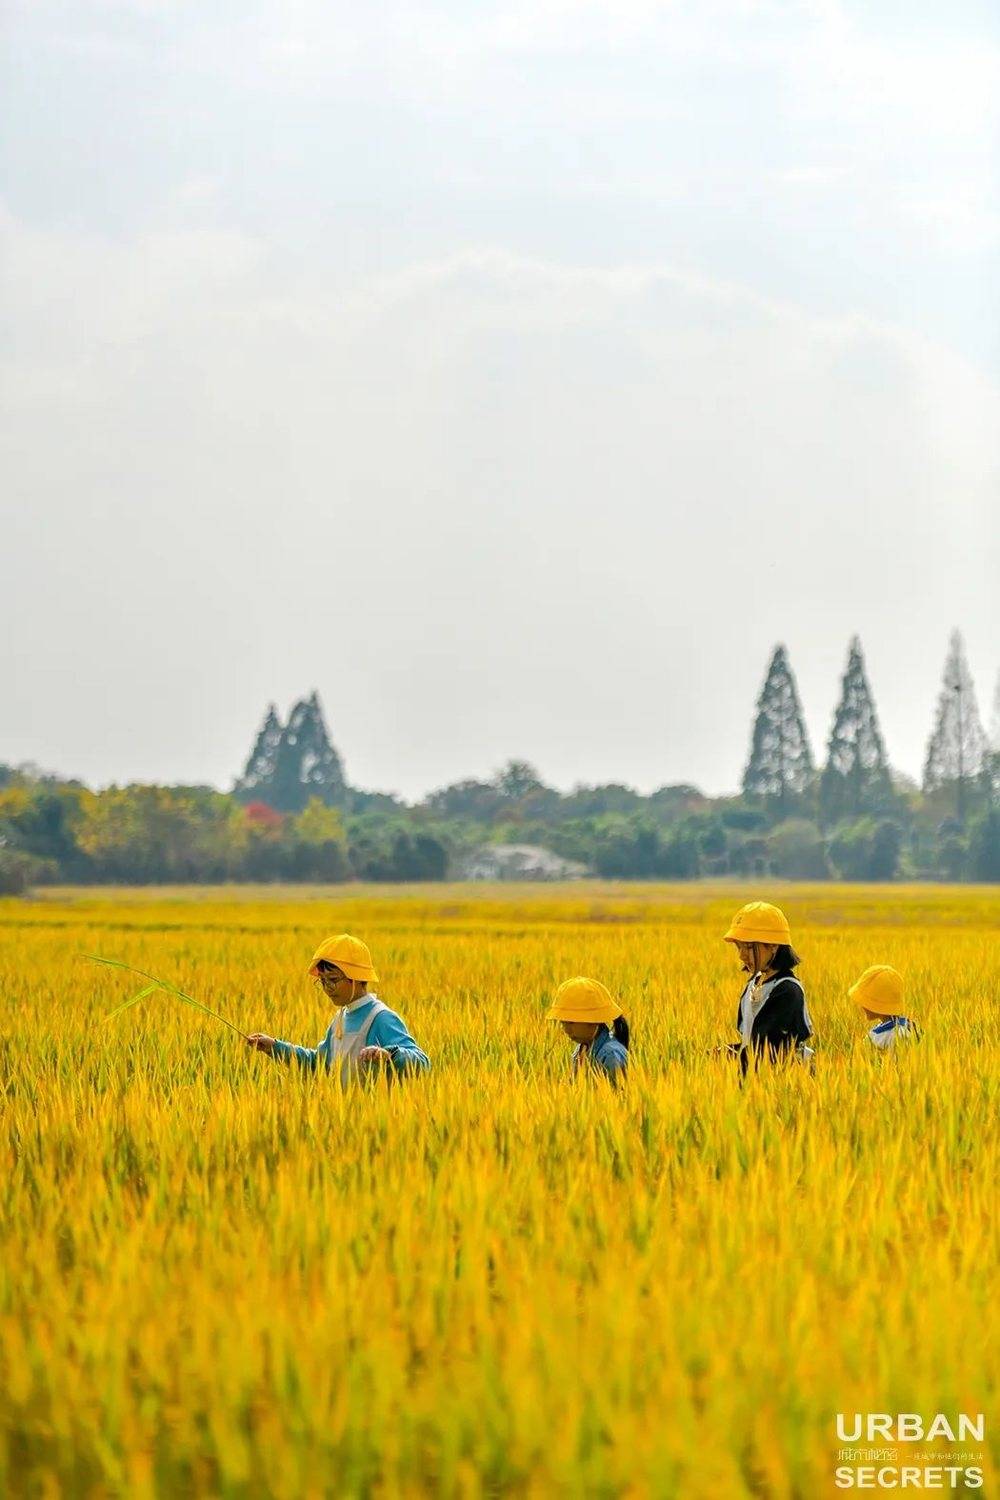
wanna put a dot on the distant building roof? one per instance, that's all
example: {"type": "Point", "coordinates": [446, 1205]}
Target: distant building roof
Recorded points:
{"type": "Point", "coordinates": [518, 862]}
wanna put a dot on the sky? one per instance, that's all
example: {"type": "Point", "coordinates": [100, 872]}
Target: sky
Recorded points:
{"type": "Point", "coordinates": [514, 375]}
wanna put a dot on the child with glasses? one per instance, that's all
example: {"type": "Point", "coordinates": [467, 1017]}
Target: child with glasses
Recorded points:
{"type": "Point", "coordinates": [365, 1037]}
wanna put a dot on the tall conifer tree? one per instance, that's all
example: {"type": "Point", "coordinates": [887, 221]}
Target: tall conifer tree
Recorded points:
{"type": "Point", "coordinates": [259, 771]}
{"type": "Point", "coordinates": [957, 744]}
{"type": "Point", "coordinates": [856, 775]}
{"type": "Point", "coordinates": [991, 765]}
{"type": "Point", "coordinates": [288, 766]}
{"type": "Point", "coordinates": [780, 767]}
{"type": "Point", "coordinates": [306, 764]}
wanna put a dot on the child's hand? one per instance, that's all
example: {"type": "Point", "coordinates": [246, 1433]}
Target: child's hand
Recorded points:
{"type": "Point", "coordinates": [261, 1042]}
{"type": "Point", "coordinates": [373, 1060]}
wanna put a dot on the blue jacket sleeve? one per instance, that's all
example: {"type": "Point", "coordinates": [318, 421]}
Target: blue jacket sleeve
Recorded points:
{"type": "Point", "coordinates": [614, 1062]}
{"type": "Point", "coordinates": [609, 1058]}
{"type": "Point", "coordinates": [389, 1031]}
{"type": "Point", "coordinates": [306, 1057]}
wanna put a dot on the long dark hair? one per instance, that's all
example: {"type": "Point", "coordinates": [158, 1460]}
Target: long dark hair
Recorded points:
{"type": "Point", "coordinates": [620, 1031]}
{"type": "Point", "coordinates": [785, 959]}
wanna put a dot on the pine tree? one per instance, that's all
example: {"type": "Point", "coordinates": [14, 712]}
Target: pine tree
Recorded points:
{"type": "Point", "coordinates": [289, 766]}
{"type": "Point", "coordinates": [957, 744]}
{"type": "Point", "coordinates": [260, 767]}
{"type": "Point", "coordinates": [516, 780]}
{"type": "Point", "coordinates": [306, 764]}
{"type": "Point", "coordinates": [780, 767]}
{"type": "Point", "coordinates": [321, 772]}
{"type": "Point", "coordinates": [991, 760]}
{"type": "Point", "coordinates": [856, 776]}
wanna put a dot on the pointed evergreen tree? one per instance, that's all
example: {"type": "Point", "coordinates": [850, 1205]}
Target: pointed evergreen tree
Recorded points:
{"type": "Point", "coordinates": [322, 772]}
{"type": "Point", "coordinates": [957, 744]}
{"type": "Point", "coordinates": [260, 767]}
{"type": "Point", "coordinates": [856, 776]}
{"type": "Point", "coordinates": [780, 767]}
{"type": "Point", "coordinates": [306, 764]}
{"type": "Point", "coordinates": [991, 760]}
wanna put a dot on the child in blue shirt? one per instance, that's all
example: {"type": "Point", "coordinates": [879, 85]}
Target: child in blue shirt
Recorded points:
{"type": "Point", "coordinates": [879, 992]}
{"type": "Point", "coordinates": [595, 1022]}
{"type": "Point", "coordinates": [365, 1036]}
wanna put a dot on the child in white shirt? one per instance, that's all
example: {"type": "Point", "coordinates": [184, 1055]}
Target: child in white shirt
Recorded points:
{"type": "Point", "coordinates": [879, 992]}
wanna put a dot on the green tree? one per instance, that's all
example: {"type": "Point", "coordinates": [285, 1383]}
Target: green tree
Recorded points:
{"type": "Point", "coordinates": [796, 851]}
{"type": "Point", "coordinates": [287, 766]}
{"type": "Point", "coordinates": [679, 854]}
{"type": "Point", "coordinates": [20, 871]}
{"type": "Point", "coordinates": [984, 846]}
{"type": "Point", "coordinates": [383, 851]}
{"type": "Point", "coordinates": [592, 801]}
{"type": "Point", "coordinates": [154, 833]}
{"type": "Point", "coordinates": [780, 768]}
{"type": "Point", "coordinates": [671, 803]}
{"type": "Point", "coordinates": [712, 840]}
{"type": "Point", "coordinates": [856, 776]}
{"type": "Point", "coordinates": [952, 859]}
{"type": "Point", "coordinates": [306, 764]}
{"type": "Point", "coordinates": [634, 848]}
{"type": "Point", "coordinates": [957, 744]}
{"type": "Point", "coordinates": [317, 843]}
{"type": "Point", "coordinates": [258, 774]}
{"type": "Point", "coordinates": [626, 848]}
{"type": "Point", "coordinates": [41, 819]}
{"type": "Point", "coordinates": [264, 852]}
{"type": "Point", "coordinates": [887, 844]}
{"type": "Point", "coordinates": [850, 848]}
{"type": "Point", "coordinates": [866, 849]}
{"type": "Point", "coordinates": [517, 780]}
{"type": "Point", "coordinates": [479, 801]}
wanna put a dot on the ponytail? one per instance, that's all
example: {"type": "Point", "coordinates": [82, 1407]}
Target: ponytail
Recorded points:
{"type": "Point", "coordinates": [620, 1030]}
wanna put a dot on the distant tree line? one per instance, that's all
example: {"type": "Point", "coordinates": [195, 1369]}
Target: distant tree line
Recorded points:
{"type": "Point", "coordinates": [293, 816]}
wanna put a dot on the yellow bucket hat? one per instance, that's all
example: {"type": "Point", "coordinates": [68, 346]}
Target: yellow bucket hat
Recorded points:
{"type": "Point", "coordinates": [583, 1000]}
{"type": "Point", "coordinates": [759, 922]}
{"type": "Point", "coordinates": [880, 989]}
{"type": "Point", "coordinates": [349, 954]}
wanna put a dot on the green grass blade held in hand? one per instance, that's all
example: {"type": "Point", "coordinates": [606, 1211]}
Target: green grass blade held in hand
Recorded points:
{"type": "Point", "coordinates": [149, 990]}
{"type": "Point", "coordinates": [158, 984]}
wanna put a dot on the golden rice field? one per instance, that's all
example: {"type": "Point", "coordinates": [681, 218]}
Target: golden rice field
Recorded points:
{"type": "Point", "coordinates": [219, 1277]}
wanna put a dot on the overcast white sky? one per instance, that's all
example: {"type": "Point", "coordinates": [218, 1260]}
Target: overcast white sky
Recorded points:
{"type": "Point", "coordinates": [516, 375]}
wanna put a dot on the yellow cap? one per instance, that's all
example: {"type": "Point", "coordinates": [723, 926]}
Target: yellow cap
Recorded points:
{"type": "Point", "coordinates": [583, 1000]}
{"type": "Point", "coordinates": [759, 922]}
{"type": "Point", "coordinates": [880, 989]}
{"type": "Point", "coordinates": [349, 954]}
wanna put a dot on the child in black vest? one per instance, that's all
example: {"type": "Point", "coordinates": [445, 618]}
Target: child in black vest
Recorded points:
{"type": "Point", "coordinates": [772, 1017]}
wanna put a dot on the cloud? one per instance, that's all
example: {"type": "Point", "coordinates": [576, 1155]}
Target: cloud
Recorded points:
{"type": "Point", "coordinates": [495, 503]}
{"type": "Point", "coordinates": [514, 374]}
{"type": "Point", "coordinates": [962, 223]}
